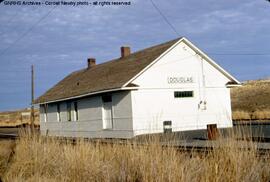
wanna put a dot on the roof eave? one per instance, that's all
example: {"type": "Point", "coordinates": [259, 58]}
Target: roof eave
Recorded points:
{"type": "Point", "coordinates": [234, 85]}
{"type": "Point", "coordinates": [211, 61]}
{"type": "Point", "coordinates": [88, 94]}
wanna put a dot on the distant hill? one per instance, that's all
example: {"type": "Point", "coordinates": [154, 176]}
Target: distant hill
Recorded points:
{"type": "Point", "coordinates": [252, 100]}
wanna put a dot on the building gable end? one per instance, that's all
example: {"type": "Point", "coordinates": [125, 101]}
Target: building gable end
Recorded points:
{"type": "Point", "coordinates": [197, 51]}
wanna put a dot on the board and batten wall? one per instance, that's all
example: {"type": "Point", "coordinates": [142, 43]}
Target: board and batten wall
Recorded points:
{"type": "Point", "coordinates": [90, 118]}
{"type": "Point", "coordinates": [154, 102]}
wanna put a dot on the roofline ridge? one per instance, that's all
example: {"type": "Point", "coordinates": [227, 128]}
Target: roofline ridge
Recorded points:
{"type": "Point", "coordinates": [138, 51]}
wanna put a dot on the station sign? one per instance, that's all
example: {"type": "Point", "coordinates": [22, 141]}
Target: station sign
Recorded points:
{"type": "Point", "coordinates": [179, 80]}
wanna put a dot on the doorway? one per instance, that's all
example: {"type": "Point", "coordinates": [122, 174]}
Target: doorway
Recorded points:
{"type": "Point", "coordinates": [107, 114]}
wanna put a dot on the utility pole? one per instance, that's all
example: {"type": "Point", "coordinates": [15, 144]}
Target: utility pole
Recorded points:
{"type": "Point", "coordinates": [32, 100]}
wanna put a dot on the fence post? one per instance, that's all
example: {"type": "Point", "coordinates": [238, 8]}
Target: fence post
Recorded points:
{"type": "Point", "coordinates": [212, 132]}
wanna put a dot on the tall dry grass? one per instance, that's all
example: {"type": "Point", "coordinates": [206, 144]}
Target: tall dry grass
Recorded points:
{"type": "Point", "coordinates": [47, 159]}
{"type": "Point", "coordinates": [6, 152]}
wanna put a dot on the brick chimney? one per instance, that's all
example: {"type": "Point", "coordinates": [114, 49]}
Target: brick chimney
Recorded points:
{"type": "Point", "coordinates": [125, 51]}
{"type": "Point", "coordinates": [91, 62]}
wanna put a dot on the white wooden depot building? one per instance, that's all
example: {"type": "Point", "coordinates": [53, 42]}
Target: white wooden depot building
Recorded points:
{"type": "Point", "coordinates": [173, 84]}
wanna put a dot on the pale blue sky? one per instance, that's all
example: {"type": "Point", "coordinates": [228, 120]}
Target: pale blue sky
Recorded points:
{"type": "Point", "coordinates": [63, 40]}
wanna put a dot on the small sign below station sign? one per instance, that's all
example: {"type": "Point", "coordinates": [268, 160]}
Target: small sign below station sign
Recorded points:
{"type": "Point", "coordinates": [176, 80]}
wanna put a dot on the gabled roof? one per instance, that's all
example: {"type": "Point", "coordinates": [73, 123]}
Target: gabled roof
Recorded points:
{"type": "Point", "coordinates": [111, 75]}
{"type": "Point", "coordinates": [117, 74]}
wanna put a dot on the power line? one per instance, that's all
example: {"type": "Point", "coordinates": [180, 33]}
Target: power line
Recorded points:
{"type": "Point", "coordinates": [28, 31]}
{"type": "Point", "coordinates": [164, 17]}
{"type": "Point", "coordinates": [225, 54]}
{"type": "Point", "coordinates": [9, 21]}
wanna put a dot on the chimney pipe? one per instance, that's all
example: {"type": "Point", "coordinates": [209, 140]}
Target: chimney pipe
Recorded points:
{"type": "Point", "coordinates": [125, 51]}
{"type": "Point", "coordinates": [91, 62]}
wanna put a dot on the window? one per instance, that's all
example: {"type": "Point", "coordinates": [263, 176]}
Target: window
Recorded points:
{"type": "Point", "coordinates": [183, 94]}
{"type": "Point", "coordinates": [45, 106]}
{"type": "Point", "coordinates": [76, 116]}
{"type": "Point", "coordinates": [58, 112]}
{"type": "Point", "coordinates": [69, 111]}
{"type": "Point", "coordinates": [107, 98]}
{"type": "Point", "coordinates": [72, 111]}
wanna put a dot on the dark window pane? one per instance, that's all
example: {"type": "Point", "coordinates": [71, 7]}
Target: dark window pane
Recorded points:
{"type": "Point", "coordinates": [183, 94]}
{"type": "Point", "coordinates": [58, 112]}
{"type": "Point", "coordinates": [76, 110]}
{"type": "Point", "coordinates": [107, 98]}
{"type": "Point", "coordinates": [68, 111]}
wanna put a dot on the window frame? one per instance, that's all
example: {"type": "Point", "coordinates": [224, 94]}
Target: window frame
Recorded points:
{"type": "Point", "coordinates": [106, 99]}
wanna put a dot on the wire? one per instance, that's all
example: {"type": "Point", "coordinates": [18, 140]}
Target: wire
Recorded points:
{"type": "Point", "coordinates": [223, 54]}
{"type": "Point", "coordinates": [9, 21]}
{"type": "Point", "coordinates": [164, 17]}
{"type": "Point", "coordinates": [28, 31]}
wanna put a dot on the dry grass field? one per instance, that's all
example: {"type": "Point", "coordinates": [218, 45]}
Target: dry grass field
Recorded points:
{"type": "Point", "coordinates": [16, 118]}
{"type": "Point", "coordinates": [251, 101]}
{"type": "Point", "coordinates": [47, 159]}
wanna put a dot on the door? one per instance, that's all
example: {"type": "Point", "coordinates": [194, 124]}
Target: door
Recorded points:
{"type": "Point", "coordinates": [107, 115]}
